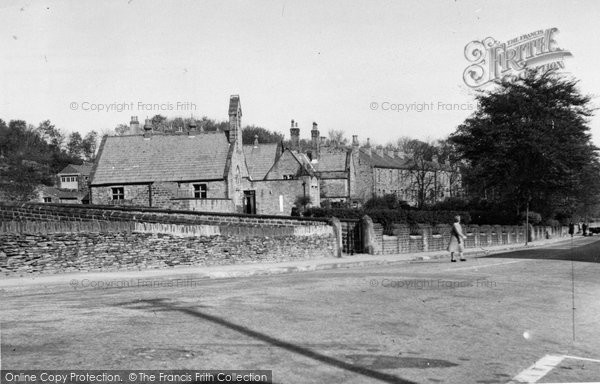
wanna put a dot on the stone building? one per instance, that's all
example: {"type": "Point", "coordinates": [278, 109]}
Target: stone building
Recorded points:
{"type": "Point", "coordinates": [196, 170]}
{"type": "Point", "coordinates": [72, 186]}
{"type": "Point", "coordinates": [354, 174]}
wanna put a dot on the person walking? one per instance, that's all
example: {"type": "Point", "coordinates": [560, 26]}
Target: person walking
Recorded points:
{"type": "Point", "coordinates": [571, 229]}
{"type": "Point", "coordinates": [456, 240]}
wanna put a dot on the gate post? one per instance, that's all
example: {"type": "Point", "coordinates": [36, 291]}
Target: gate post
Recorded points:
{"type": "Point", "coordinates": [367, 235]}
{"type": "Point", "coordinates": [337, 233]}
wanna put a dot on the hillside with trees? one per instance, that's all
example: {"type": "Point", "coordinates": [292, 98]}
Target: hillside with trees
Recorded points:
{"type": "Point", "coordinates": [32, 156]}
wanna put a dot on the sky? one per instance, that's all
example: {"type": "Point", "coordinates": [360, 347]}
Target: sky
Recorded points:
{"type": "Point", "coordinates": [355, 66]}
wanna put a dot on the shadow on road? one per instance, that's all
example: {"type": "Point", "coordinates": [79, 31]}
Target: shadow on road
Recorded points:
{"type": "Point", "coordinates": [586, 253]}
{"type": "Point", "coordinates": [163, 305]}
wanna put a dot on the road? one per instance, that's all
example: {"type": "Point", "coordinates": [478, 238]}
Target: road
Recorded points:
{"type": "Point", "coordinates": [486, 320]}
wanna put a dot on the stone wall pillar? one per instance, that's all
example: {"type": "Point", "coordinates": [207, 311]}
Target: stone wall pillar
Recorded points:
{"type": "Point", "coordinates": [368, 235]}
{"type": "Point", "coordinates": [337, 233]}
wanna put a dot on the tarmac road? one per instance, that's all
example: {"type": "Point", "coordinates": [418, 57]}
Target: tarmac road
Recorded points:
{"type": "Point", "coordinates": [483, 321]}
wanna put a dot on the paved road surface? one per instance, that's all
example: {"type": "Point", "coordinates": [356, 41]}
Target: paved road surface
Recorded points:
{"type": "Point", "coordinates": [484, 321]}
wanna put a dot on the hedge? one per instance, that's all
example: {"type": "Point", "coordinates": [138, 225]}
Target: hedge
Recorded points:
{"type": "Point", "coordinates": [387, 217]}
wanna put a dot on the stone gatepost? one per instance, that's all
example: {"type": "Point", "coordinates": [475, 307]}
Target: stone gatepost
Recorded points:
{"type": "Point", "coordinates": [337, 233]}
{"type": "Point", "coordinates": [368, 235]}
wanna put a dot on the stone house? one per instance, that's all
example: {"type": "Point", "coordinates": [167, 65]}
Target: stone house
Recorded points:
{"type": "Point", "coordinates": [72, 186]}
{"type": "Point", "coordinates": [195, 170]}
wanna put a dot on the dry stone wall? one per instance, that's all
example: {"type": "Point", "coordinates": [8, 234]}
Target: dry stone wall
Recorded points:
{"type": "Point", "coordinates": [54, 239]}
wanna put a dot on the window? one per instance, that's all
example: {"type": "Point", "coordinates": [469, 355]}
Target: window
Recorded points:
{"type": "Point", "coordinates": [47, 199]}
{"type": "Point", "coordinates": [200, 191]}
{"type": "Point", "coordinates": [118, 193]}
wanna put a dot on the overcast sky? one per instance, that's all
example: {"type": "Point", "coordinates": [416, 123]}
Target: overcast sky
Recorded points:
{"type": "Point", "coordinates": [323, 61]}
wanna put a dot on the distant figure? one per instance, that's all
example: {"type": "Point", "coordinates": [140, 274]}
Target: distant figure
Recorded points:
{"type": "Point", "coordinates": [571, 229]}
{"type": "Point", "coordinates": [456, 240]}
{"type": "Point", "coordinates": [584, 228]}
{"type": "Point", "coordinates": [295, 211]}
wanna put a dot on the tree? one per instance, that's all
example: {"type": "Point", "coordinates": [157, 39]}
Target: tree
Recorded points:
{"type": "Point", "coordinates": [422, 172]}
{"type": "Point", "coordinates": [51, 134]}
{"type": "Point", "coordinates": [264, 135]}
{"type": "Point", "coordinates": [89, 144]}
{"type": "Point", "coordinates": [75, 144]}
{"type": "Point", "coordinates": [453, 166]}
{"type": "Point", "coordinates": [528, 144]}
{"type": "Point", "coordinates": [336, 138]}
{"type": "Point", "coordinates": [159, 123]}
{"type": "Point", "coordinates": [122, 129]}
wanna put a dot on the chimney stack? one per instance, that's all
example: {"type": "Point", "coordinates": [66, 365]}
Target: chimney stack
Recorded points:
{"type": "Point", "coordinates": [368, 147]}
{"type": "Point", "coordinates": [295, 135]}
{"type": "Point", "coordinates": [379, 150]}
{"type": "Point", "coordinates": [355, 141]}
{"type": "Point", "coordinates": [235, 121]}
{"type": "Point", "coordinates": [399, 154]}
{"type": "Point", "coordinates": [134, 125]}
{"type": "Point", "coordinates": [147, 128]}
{"type": "Point", "coordinates": [390, 152]}
{"type": "Point", "coordinates": [314, 135]}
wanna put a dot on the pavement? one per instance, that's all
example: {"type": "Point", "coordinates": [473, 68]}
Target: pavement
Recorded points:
{"type": "Point", "coordinates": [75, 279]}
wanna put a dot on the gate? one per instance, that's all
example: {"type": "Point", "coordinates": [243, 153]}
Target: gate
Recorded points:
{"type": "Point", "coordinates": [351, 236]}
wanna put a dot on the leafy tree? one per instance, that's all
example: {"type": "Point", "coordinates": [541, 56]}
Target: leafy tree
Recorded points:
{"type": "Point", "coordinates": [159, 123]}
{"type": "Point", "coordinates": [89, 144]}
{"type": "Point", "coordinates": [75, 144]}
{"type": "Point", "coordinates": [453, 165]}
{"type": "Point", "coordinates": [264, 135]}
{"type": "Point", "coordinates": [529, 144]}
{"type": "Point", "coordinates": [51, 134]}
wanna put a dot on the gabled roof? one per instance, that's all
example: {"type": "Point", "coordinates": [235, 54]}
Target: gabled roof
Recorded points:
{"type": "Point", "coordinates": [83, 169]}
{"type": "Point", "coordinates": [332, 160]}
{"type": "Point", "coordinates": [260, 158]}
{"type": "Point", "coordinates": [135, 159]}
{"type": "Point", "coordinates": [304, 161]}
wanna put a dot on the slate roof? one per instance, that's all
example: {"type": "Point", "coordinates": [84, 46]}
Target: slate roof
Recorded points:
{"type": "Point", "coordinates": [83, 169]}
{"type": "Point", "coordinates": [135, 159]}
{"type": "Point", "coordinates": [260, 158]}
{"type": "Point", "coordinates": [384, 161]}
{"type": "Point", "coordinates": [334, 161]}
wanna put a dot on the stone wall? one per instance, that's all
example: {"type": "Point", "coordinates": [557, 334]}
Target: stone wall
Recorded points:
{"type": "Point", "coordinates": [203, 205]}
{"type": "Point", "coordinates": [63, 212]}
{"type": "Point", "coordinates": [55, 247]}
{"type": "Point", "coordinates": [424, 238]}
